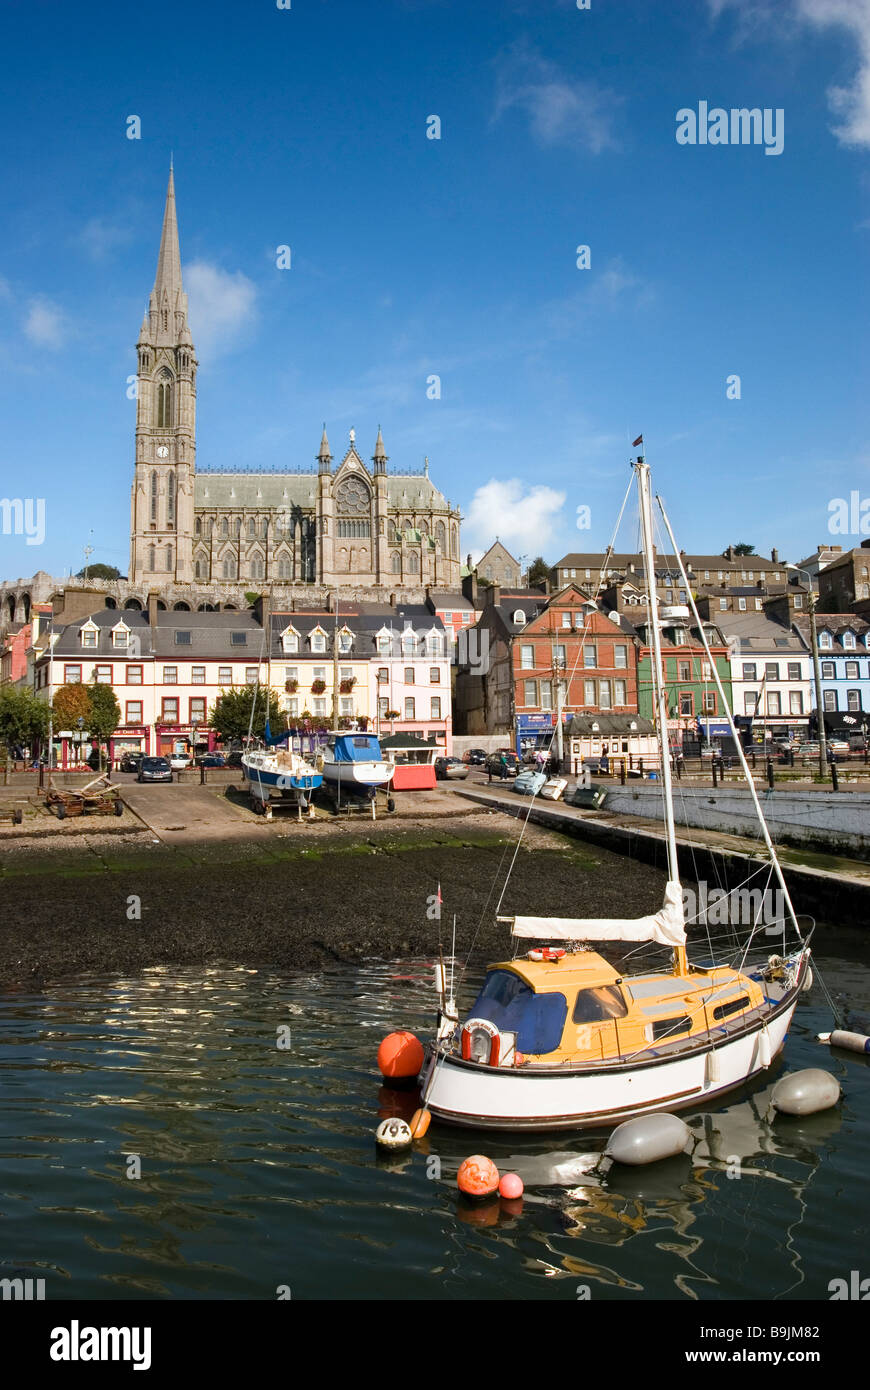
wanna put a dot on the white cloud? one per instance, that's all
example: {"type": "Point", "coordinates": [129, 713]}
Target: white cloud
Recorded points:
{"type": "Point", "coordinates": [44, 324]}
{"type": "Point", "coordinates": [851, 104]}
{"type": "Point", "coordinates": [561, 109]}
{"type": "Point", "coordinates": [222, 304]}
{"type": "Point", "coordinates": [523, 518]}
{"type": "Point", "coordinates": [99, 238]}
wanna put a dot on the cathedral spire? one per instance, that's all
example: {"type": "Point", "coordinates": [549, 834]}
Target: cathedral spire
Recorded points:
{"type": "Point", "coordinates": [168, 277]}
{"type": "Point", "coordinates": [379, 457]}
{"type": "Point", "coordinates": [324, 456]}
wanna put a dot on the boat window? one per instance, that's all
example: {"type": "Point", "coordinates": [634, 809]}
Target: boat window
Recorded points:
{"type": "Point", "coordinates": [666, 1028]}
{"type": "Point", "coordinates": [537, 1019]}
{"type": "Point", "coordinates": [733, 1006]}
{"type": "Point", "coordinates": [595, 1005]}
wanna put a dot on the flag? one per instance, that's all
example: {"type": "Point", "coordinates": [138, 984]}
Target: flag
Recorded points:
{"type": "Point", "coordinates": [637, 441]}
{"type": "Point", "coordinates": [440, 899]}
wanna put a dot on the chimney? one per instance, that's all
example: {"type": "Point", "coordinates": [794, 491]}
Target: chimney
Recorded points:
{"type": "Point", "coordinates": [774, 555]}
{"type": "Point", "coordinates": [493, 595]}
{"type": "Point", "coordinates": [152, 609]}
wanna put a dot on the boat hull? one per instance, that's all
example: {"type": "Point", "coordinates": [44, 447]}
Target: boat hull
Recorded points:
{"type": "Point", "coordinates": [350, 776]}
{"type": "Point", "coordinates": [600, 1095]}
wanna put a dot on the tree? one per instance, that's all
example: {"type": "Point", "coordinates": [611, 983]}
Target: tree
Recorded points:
{"type": "Point", "coordinates": [104, 715]}
{"type": "Point", "coordinates": [72, 703]}
{"type": "Point", "coordinates": [744, 549]}
{"type": "Point", "coordinates": [99, 571]}
{"type": "Point", "coordinates": [539, 571]}
{"type": "Point", "coordinates": [231, 715]}
{"type": "Point", "coordinates": [23, 718]}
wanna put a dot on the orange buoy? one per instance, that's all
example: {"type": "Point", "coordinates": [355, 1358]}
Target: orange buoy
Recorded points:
{"type": "Point", "coordinates": [519, 1059]}
{"type": "Point", "coordinates": [477, 1176]}
{"type": "Point", "coordinates": [511, 1186]}
{"type": "Point", "coordinates": [400, 1056]}
{"type": "Point", "coordinates": [420, 1121]}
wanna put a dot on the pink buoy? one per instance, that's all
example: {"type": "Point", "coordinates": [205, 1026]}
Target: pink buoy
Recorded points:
{"type": "Point", "coordinates": [511, 1186]}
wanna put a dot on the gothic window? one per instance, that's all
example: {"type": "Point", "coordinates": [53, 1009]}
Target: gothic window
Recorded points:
{"type": "Point", "coordinates": [151, 557]}
{"type": "Point", "coordinates": [414, 562]}
{"type": "Point", "coordinates": [257, 569]}
{"type": "Point", "coordinates": [397, 562]}
{"type": "Point", "coordinates": [198, 570]}
{"type": "Point", "coordinates": [197, 526]}
{"type": "Point", "coordinates": [406, 524]}
{"type": "Point", "coordinates": [229, 568]}
{"type": "Point", "coordinates": [153, 497]}
{"type": "Point", "coordinates": [424, 529]}
{"type": "Point", "coordinates": [168, 558]}
{"type": "Point", "coordinates": [264, 528]}
{"type": "Point", "coordinates": [353, 507]}
{"type": "Point", "coordinates": [164, 401]}
{"type": "Point", "coordinates": [238, 530]}
{"type": "Point", "coordinates": [455, 543]}
{"type": "Point", "coordinates": [441, 535]}
{"type": "Point", "coordinates": [252, 529]}
{"type": "Point", "coordinates": [225, 528]}
{"type": "Point", "coordinates": [283, 569]}
{"type": "Point", "coordinates": [170, 500]}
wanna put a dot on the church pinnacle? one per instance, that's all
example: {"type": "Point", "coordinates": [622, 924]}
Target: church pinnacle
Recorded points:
{"type": "Point", "coordinates": [167, 310]}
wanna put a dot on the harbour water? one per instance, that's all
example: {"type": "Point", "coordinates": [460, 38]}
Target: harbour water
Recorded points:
{"type": "Point", "coordinates": [247, 1101]}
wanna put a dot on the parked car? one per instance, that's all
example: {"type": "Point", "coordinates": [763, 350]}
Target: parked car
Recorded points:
{"type": "Point", "coordinates": [475, 757]}
{"type": "Point", "coordinates": [448, 768]}
{"type": "Point", "coordinates": [178, 761]}
{"type": "Point", "coordinates": [211, 760]}
{"type": "Point", "coordinates": [154, 770]}
{"type": "Point", "coordinates": [494, 763]}
{"type": "Point", "coordinates": [130, 762]}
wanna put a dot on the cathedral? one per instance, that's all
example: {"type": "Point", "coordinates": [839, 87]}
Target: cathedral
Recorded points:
{"type": "Point", "coordinates": [349, 526]}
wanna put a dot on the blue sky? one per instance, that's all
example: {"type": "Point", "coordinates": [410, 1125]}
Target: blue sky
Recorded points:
{"type": "Point", "coordinates": [457, 257]}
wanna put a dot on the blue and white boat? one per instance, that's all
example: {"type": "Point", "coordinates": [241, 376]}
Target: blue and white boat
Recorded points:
{"type": "Point", "coordinates": [353, 765]}
{"type": "Point", "coordinates": [279, 774]}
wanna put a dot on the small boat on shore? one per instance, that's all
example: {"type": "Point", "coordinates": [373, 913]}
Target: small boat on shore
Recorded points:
{"type": "Point", "coordinates": [279, 774]}
{"type": "Point", "coordinates": [352, 765]}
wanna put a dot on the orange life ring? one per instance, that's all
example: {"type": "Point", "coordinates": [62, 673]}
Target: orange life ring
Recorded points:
{"type": "Point", "coordinates": [547, 953]}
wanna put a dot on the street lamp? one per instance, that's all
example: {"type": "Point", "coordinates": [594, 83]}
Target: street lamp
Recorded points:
{"type": "Point", "coordinates": [817, 671]}
{"type": "Point", "coordinates": [81, 724]}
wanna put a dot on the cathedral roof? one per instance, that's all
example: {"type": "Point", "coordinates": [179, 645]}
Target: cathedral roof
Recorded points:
{"type": "Point", "coordinates": [406, 492]}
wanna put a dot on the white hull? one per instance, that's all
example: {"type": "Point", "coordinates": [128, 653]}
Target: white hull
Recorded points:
{"type": "Point", "coordinates": [484, 1097]}
{"type": "Point", "coordinates": [348, 776]}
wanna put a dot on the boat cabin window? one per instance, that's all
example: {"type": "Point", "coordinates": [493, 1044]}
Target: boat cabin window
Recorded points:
{"type": "Point", "coordinates": [537, 1019]}
{"type": "Point", "coordinates": [664, 1029]}
{"type": "Point", "coordinates": [733, 1006]}
{"type": "Point", "coordinates": [596, 1005]}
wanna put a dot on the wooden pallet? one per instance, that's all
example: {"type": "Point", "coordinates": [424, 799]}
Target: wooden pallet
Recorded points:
{"type": "Point", "coordinates": [98, 797]}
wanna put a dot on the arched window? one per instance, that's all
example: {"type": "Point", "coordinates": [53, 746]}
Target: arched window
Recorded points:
{"type": "Point", "coordinates": [397, 562]}
{"type": "Point", "coordinates": [153, 496]}
{"type": "Point", "coordinates": [151, 557]}
{"type": "Point", "coordinates": [164, 401]}
{"type": "Point", "coordinates": [225, 528]}
{"type": "Point", "coordinates": [229, 567]}
{"type": "Point", "coordinates": [264, 528]}
{"type": "Point", "coordinates": [424, 529]}
{"type": "Point", "coordinates": [252, 529]}
{"type": "Point", "coordinates": [440, 535]}
{"type": "Point", "coordinates": [414, 562]}
{"type": "Point", "coordinates": [238, 528]}
{"type": "Point", "coordinates": [197, 526]}
{"type": "Point", "coordinates": [170, 499]}
{"type": "Point", "coordinates": [198, 570]}
{"type": "Point", "coordinates": [455, 543]}
{"type": "Point", "coordinates": [168, 558]}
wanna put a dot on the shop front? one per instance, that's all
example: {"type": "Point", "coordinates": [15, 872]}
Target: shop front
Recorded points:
{"type": "Point", "coordinates": [186, 740]}
{"type": "Point", "coordinates": [132, 738]}
{"type": "Point", "coordinates": [533, 731]}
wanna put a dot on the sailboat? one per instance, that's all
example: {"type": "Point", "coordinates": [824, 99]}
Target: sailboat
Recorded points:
{"type": "Point", "coordinates": [277, 774]}
{"type": "Point", "coordinates": [561, 1038]}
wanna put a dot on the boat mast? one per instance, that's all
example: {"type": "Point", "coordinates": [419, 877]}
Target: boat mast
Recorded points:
{"type": "Point", "coordinates": [660, 692]}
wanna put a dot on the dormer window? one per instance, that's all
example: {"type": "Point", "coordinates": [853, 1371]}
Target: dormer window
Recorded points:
{"type": "Point", "coordinates": [520, 618]}
{"type": "Point", "coordinates": [89, 636]}
{"type": "Point", "coordinates": [120, 636]}
{"type": "Point", "coordinates": [849, 641]}
{"type": "Point", "coordinates": [345, 640]}
{"type": "Point", "coordinates": [290, 641]}
{"type": "Point", "coordinates": [318, 640]}
{"type": "Point", "coordinates": [825, 640]}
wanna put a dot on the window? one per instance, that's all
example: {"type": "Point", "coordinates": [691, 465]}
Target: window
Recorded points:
{"type": "Point", "coordinates": [709, 703]}
{"type": "Point", "coordinates": [182, 638]}
{"type": "Point", "coordinates": [120, 637]}
{"type": "Point", "coordinates": [410, 707]}
{"type": "Point", "coordinates": [169, 714]}
{"type": "Point", "coordinates": [771, 670]}
{"type": "Point", "coordinates": [795, 702]}
{"type": "Point", "coordinates": [825, 640]}
{"type": "Point", "coordinates": [559, 658]}
{"type": "Point", "coordinates": [619, 692]}
{"type": "Point", "coordinates": [197, 710]}
{"type": "Point", "coordinates": [319, 706]}
{"type": "Point", "coordinates": [828, 670]}
{"type": "Point", "coordinates": [153, 503]}
{"type": "Point", "coordinates": [103, 675]}
{"type": "Point", "coordinates": [89, 637]}
{"type": "Point", "coordinates": [229, 568]}
{"type": "Point", "coordinates": [383, 706]}
{"type": "Point", "coordinates": [170, 675]}
{"type": "Point", "coordinates": [345, 673]}
{"type": "Point", "coordinates": [664, 1029]}
{"type": "Point", "coordinates": [679, 637]}
{"type": "Point", "coordinates": [741, 604]}
{"type": "Point", "coordinates": [849, 641]}
{"type": "Point", "coordinates": [852, 671]}
{"type": "Point", "coordinates": [72, 675]}
{"type": "Point", "coordinates": [546, 695]}
{"type": "Point", "coordinates": [723, 605]}
{"type": "Point", "coordinates": [774, 702]}
{"type": "Point", "coordinates": [794, 670]}
{"type": "Point", "coordinates": [291, 642]}
{"type": "Point", "coordinates": [134, 675]}
{"type": "Point", "coordinates": [345, 705]}
{"type": "Point", "coordinates": [687, 702]}
{"type": "Point", "coordinates": [292, 704]}
{"type": "Point", "coordinates": [436, 707]}
{"type": "Point", "coordinates": [798, 600]}
{"type": "Point", "coordinates": [318, 642]}
{"type": "Point", "coordinates": [758, 604]}
{"type": "Point", "coordinates": [830, 699]}
{"type": "Point", "coordinates": [853, 698]}
{"type": "Point", "coordinates": [383, 675]}
{"type": "Point", "coordinates": [319, 673]}
{"type": "Point", "coordinates": [530, 693]}
{"type": "Point", "coordinates": [134, 712]}
{"type": "Point", "coordinates": [733, 1006]}
{"type": "Point", "coordinates": [238, 639]}
{"type": "Point", "coordinates": [197, 675]}
{"type": "Point", "coordinates": [384, 645]}
{"type": "Point", "coordinates": [434, 675]}
{"type": "Point", "coordinates": [225, 675]}
{"type": "Point", "coordinates": [251, 674]}
{"type": "Point", "coordinates": [750, 700]}
{"type": "Point", "coordinates": [598, 1005]}
{"type": "Point", "coordinates": [620, 656]}
{"type": "Point", "coordinates": [685, 670]}
{"type": "Point", "coordinates": [590, 656]}
{"type": "Point", "coordinates": [604, 694]}
{"type": "Point", "coordinates": [527, 658]}
{"type": "Point", "coordinates": [409, 675]}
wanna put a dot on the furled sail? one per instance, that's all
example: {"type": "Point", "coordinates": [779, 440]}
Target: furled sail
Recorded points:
{"type": "Point", "coordinates": [667, 926]}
